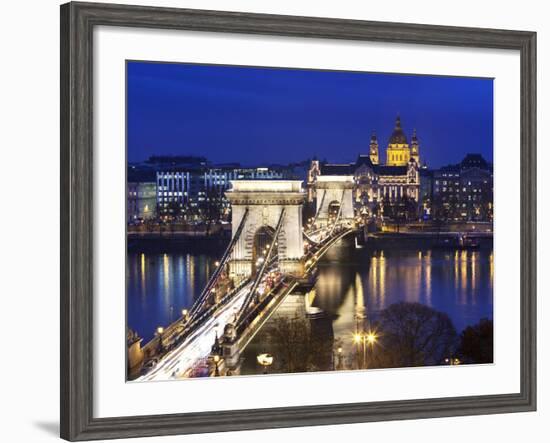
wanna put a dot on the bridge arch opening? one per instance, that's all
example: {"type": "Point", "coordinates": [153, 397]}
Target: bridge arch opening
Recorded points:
{"type": "Point", "coordinates": [333, 209]}
{"type": "Point", "coordinates": [263, 238]}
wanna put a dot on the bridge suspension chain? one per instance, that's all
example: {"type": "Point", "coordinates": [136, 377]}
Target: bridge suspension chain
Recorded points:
{"type": "Point", "coordinates": [197, 306]}
{"type": "Point", "coordinates": [260, 274]}
{"type": "Point", "coordinates": [339, 213]}
{"type": "Point", "coordinates": [309, 239]}
{"type": "Point", "coordinates": [306, 235]}
{"type": "Point", "coordinates": [320, 206]}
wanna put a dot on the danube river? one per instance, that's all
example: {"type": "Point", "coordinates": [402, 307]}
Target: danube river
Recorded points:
{"type": "Point", "coordinates": [351, 283]}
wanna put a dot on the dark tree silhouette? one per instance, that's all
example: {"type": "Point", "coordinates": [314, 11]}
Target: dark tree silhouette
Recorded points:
{"type": "Point", "coordinates": [412, 334]}
{"type": "Point", "coordinates": [294, 346]}
{"type": "Point", "coordinates": [476, 343]}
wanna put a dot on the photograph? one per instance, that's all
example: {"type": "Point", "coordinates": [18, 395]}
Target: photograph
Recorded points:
{"type": "Point", "coordinates": [284, 220]}
{"type": "Point", "coordinates": [266, 221]}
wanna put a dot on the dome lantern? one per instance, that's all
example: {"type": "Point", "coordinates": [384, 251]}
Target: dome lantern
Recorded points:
{"type": "Point", "coordinates": [398, 136]}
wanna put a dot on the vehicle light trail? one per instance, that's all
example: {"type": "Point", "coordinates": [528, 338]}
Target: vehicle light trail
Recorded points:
{"type": "Point", "coordinates": [196, 346]}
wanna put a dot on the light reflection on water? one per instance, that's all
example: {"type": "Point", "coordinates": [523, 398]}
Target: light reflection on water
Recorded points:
{"type": "Point", "coordinates": [159, 286]}
{"type": "Point", "coordinates": [352, 281]}
{"type": "Point", "coordinates": [352, 284]}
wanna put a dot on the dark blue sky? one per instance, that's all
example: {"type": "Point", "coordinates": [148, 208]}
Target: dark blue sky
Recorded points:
{"type": "Point", "coordinates": [262, 116]}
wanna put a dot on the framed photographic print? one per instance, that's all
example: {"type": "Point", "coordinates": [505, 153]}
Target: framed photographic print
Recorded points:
{"type": "Point", "coordinates": [272, 221]}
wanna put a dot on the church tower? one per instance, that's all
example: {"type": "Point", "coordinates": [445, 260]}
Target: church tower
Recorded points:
{"type": "Point", "coordinates": [373, 149]}
{"type": "Point", "coordinates": [415, 153]}
{"type": "Point", "coordinates": [398, 152]}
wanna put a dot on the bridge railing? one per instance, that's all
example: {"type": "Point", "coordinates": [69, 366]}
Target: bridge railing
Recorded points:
{"type": "Point", "coordinates": [181, 328]}
{"type": "Point", "coordinates": [249, 316]}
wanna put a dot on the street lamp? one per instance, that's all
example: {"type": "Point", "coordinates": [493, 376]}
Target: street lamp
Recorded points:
{"type": "Point", "coordinates": [359, 339]}
{"type": "Point", "coordinates": [339, 351]}
{"type": "Point", "coordinates": [185, 314]}
{"type": "Point", "coordinates": [216, 362]}
{"type": "Point", "coordinates": [365, 338]}
{"type": "Point", "coordinates": [452, 361]}
{"type": "Point", "coordinates": [265, 360]}
{"type": "Point", "coordinates": [160, 331]}
{"type": "Point", "coordinates": [371, 338]}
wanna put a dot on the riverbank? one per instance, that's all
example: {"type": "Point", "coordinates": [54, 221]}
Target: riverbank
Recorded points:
{"type": "Point", "coordinates": [176, 242]}
{"type": "Point", "coordinates": [422, 239]}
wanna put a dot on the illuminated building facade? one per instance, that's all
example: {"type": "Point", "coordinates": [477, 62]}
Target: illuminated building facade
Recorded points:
{"type": "Point", "coordinates": [464, 192]}
{"type": "Point", "coordinates": [198, 194]}
{"type": "Point", "coordinates": [392, 188]}
{"type": "Point", "coordinates": [141, 201]}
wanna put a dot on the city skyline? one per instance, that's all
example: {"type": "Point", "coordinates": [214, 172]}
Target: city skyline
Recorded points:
{"type": "Point", "coordinates": [278, 116]}
{"type": "Point", "coordinates": [245, 259]}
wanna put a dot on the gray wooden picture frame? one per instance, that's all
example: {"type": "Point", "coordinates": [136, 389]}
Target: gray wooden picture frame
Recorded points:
{"type": "Point", "coordinates": [77, 218]}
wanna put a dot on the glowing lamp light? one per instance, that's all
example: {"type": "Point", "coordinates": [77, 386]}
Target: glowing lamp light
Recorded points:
{"type": "Point", "coordinates": [265, 359]}
{"type": "Point", "coordinates": [160, 329]}
{"type": "Point", "coordinates": [371, 338]}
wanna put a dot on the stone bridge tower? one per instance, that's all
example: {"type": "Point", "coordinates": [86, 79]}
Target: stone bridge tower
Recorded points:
{"type": "Point", "coordinates": [265, 200]}
{"type": "Point", "coordinates": [334, 191]}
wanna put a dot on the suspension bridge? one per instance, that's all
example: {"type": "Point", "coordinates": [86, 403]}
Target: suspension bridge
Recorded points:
{"type": "Point", "coordinates": [269, 255]}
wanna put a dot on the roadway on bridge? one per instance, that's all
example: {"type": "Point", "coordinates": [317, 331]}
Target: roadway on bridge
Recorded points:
{"type": "Point", "coordinates": [179, 362]}
{"type": "Point", "coordinates": [197, 346]}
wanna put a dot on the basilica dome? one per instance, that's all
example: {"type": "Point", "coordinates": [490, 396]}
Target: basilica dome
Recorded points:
{"type": "Point", "coordinates": [398, 136]}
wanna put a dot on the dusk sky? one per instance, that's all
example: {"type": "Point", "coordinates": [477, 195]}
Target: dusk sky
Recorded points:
{"type": "Point", "coordinates": [261, 116]}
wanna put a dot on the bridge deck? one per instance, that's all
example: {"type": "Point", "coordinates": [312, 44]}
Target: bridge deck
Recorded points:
{"type": "Point", "coordinates": [197, 344]}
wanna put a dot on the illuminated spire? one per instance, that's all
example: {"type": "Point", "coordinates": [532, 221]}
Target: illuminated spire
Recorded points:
{"type": "Point", "coordinates": [415, 153]}
{"type": "Point", "coordinates": [373, 149]}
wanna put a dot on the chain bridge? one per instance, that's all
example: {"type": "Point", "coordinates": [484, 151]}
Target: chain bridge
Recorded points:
{"type": "Point", "coordinates": [269, 255]}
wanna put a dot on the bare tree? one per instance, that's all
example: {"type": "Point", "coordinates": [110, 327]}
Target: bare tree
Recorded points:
{"type": "Point", "coordinates": [295, 348]}
{"type": "Point", "coordinates": [412, 334]}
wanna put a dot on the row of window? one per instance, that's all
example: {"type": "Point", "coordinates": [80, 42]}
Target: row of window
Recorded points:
{"type": "Point", "coordinates": [395, 157]}
{"type": "Point", "coordinates": [457, 197]}
{"type": "Point", "coordinates": [444, 182]}
{"type": "Point", "coordinates": [451, 189]}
